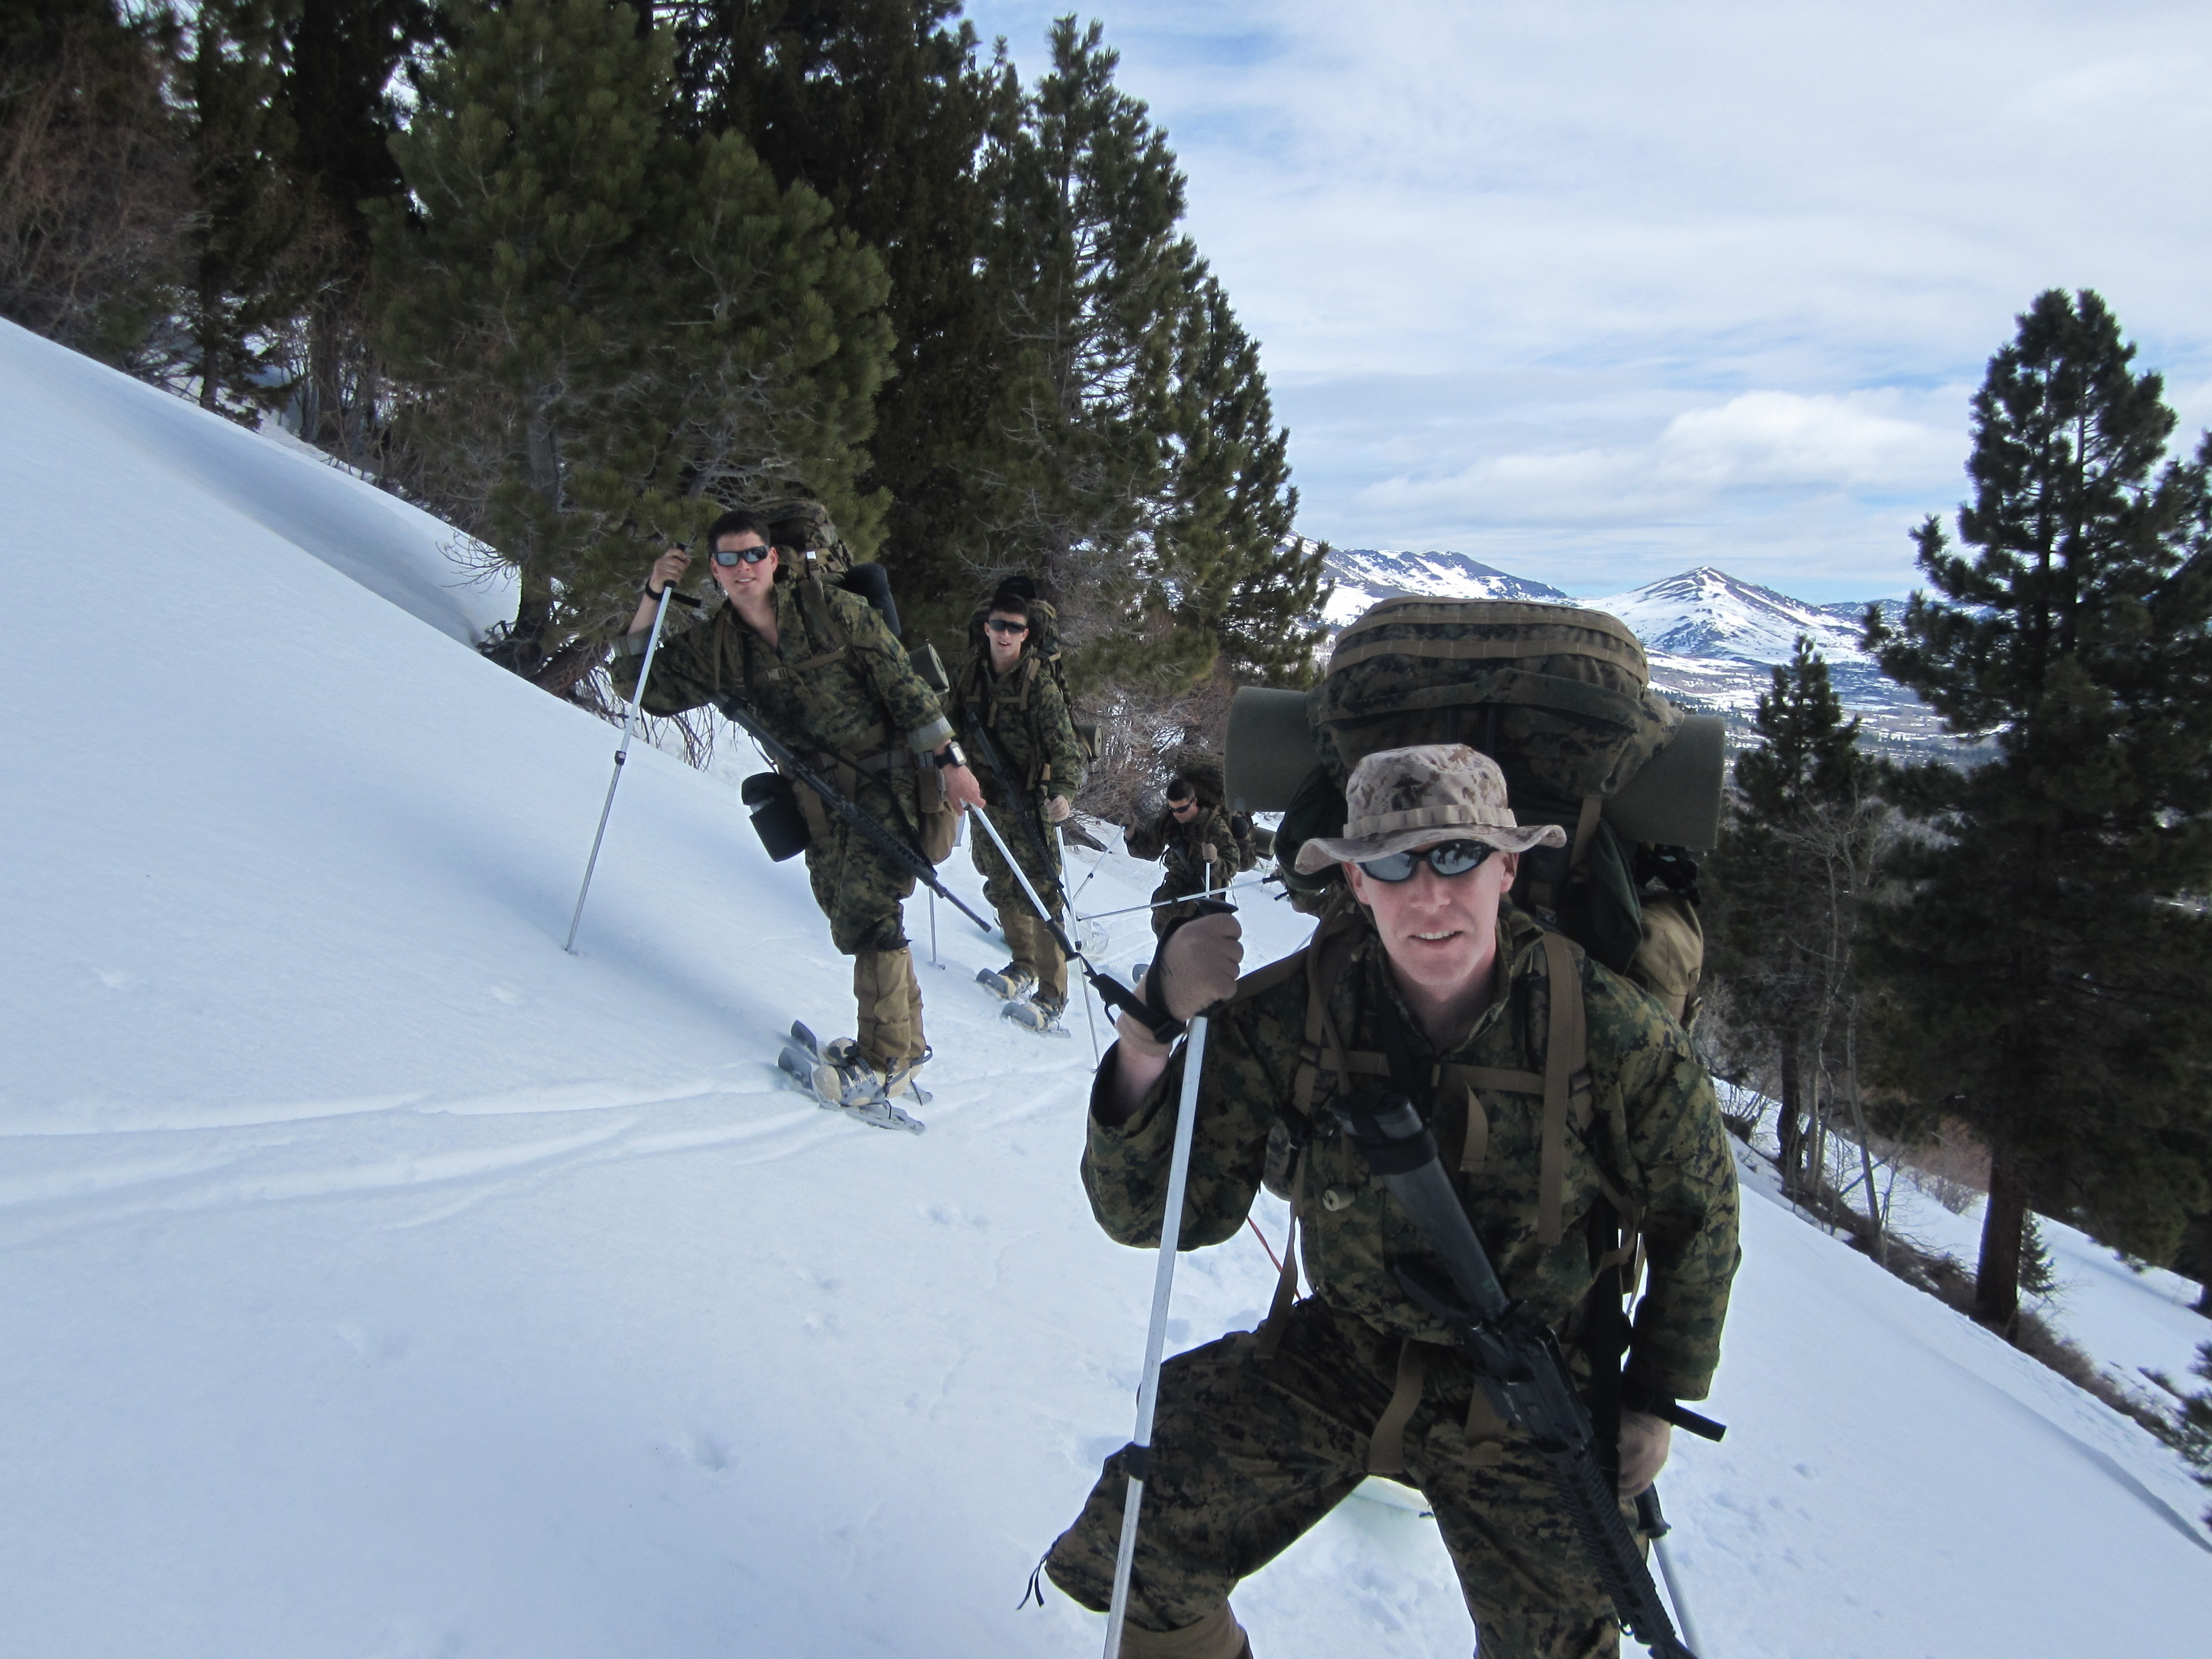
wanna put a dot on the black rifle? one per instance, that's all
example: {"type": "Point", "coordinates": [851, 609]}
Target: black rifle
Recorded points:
{"type": "Point", "coordinates": [838, 802]}
{"type": "Point", "coordinates": [1031, 827]}
{"type": "Point", "coordinates": [1517, 1361]}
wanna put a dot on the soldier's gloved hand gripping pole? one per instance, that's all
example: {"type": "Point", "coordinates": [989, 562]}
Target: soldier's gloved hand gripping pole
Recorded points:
{"type": "Point", "coordinates": [845, 807]}
{"type": "Point", "coordinates": [1137, 1455]}
{"type": "Point", "coordinates": [1517, 1360]}
{"type": "Point", "coordinates": [629, 720]}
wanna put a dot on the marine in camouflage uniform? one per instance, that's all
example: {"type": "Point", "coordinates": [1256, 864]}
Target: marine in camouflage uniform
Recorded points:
{"type": "Point", "coordinates": [1183, 845]}
{"type": "Point", "coordinates": [1259, 1435]}
{"type": "Point", "coordinates": [838, 688]}
{"type": "Point", "coordinates": [1024, 712]}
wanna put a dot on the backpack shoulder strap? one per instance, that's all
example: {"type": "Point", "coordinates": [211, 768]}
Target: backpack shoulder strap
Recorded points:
{"type": "Point", "coordinates": [1566, 1053]}
{"type": "Point", "coordinates": [829, 634]}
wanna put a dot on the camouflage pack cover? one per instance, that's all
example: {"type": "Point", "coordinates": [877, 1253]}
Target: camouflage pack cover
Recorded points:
{"type": "Point", "coordinates": [1561, 693]}
{"type": "Point", "coordinates": [803, 524]}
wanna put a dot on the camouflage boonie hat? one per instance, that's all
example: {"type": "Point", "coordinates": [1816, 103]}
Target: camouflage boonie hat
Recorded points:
{"type": "Point", "coordinates": [1402, 798]}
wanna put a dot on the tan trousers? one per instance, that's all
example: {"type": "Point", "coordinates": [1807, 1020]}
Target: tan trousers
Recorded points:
{"type": "Point", "coordinates": [1031, 944]}
{"type": "Point", "coordinates": [888, 999]}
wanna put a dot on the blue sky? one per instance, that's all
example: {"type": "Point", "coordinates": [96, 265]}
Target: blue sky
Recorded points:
{"type": "Point", "coordinates": [1597, 292]}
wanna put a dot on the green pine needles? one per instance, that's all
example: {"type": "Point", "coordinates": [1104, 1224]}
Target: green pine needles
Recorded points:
{"type": "Point", "coordinates": [2047, 964]}
{"type": "Point", "coordinates": [605, 328]}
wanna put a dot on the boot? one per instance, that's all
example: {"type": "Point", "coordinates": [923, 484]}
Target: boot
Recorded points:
{"type": "Point", "coordinates": [1216, 1636]}
{"type": "Point", "coordinates": [1010, 982]}
{"type": "Point", "coordinates": [845, 1078]}
{"type": "Point", "coordinates": [1038, 1013]}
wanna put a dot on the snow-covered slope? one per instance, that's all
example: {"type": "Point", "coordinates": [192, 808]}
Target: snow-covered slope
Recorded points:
{"type": "Point", "coordinates": [382, 1281]}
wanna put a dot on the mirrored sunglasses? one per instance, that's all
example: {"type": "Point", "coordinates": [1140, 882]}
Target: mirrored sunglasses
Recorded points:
{"type": "Point", "coordinates": [726, 557]}
{"type": "Point", "coordinates": [1000, 625]}
{"type": "Point", "coordinates": [1454, 858]}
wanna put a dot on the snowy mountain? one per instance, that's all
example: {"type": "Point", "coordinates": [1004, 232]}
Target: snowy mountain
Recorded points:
{"type": "Point", "coordinates": [1712, 639]}
{"type": "Point", "coordinates": [383, 1281]}
{"type": "Point", "coordinates": [1365, 576]}
{"type": "Point", "coordinates": [1708, 613]}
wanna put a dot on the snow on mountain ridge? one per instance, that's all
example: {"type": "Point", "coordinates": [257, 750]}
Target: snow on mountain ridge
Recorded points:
{"type": "Point", "coordinates": [1706, 612]}
{"type": "Point", "coordinates": [1365, 576]}
{"type": "Point", "coordinates": [1713, 638]}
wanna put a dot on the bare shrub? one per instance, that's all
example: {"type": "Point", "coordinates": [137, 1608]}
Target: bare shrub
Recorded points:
{"type": "Point", "coordinates": [95, 198]}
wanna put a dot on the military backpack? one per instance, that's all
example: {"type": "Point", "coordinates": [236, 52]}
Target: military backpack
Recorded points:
{"type": "Point", "coordinates": [1561, 698]}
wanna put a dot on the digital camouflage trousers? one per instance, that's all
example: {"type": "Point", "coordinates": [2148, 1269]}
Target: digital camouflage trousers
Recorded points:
{"type": "Point", "coordinates": [1248, 1452]}
{"type": "Point", "coordinates": [858, 888]}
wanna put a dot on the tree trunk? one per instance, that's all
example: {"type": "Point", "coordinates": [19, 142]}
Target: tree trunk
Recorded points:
{"type": "Point", "coordinates": [521, 649]}
{"type": "Point", "coordinates": [2004, 1224]}
{"type": "Point", "coordinates": [1791, 1126]}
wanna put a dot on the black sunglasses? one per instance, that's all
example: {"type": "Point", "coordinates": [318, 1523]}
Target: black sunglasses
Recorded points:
{"type": "Point", "coordinates": [1000, 625]}
{"type": "Point", "coordinates": [1454, 858]}
{"type": "Point", "coordinates": [726, 557]}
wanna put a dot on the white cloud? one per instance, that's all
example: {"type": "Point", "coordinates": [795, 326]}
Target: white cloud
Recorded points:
{"type": "Point", "coordinates": [1785, 437]}
{"type": "Point", "coordinates": [1782, 227]}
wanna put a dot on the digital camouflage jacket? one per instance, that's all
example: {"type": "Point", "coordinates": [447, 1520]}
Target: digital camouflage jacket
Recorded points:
{"type": "Point", "coordinates": [1642, 1119]}
{"type": "Point", "coordinates": [1179, 845]}
{"type": "Point", "coordinates": [1027, 719]}
{"type": "Point", "coordinates": [853, 698]}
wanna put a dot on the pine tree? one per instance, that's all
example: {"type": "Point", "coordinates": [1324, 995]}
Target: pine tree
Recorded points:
{"type": "Point", "coordinates": [1137, 465]}
{"type": "Point", "coordinates": [1801, 851]}
{"type": "Point", "coordinates": [1092, 279]}
{"type": "Point", "coordinates": [337, 99]}
{"type": "Point", "coordinates": [2050, 965]}
{"type": "Point", "coordinates": [249, 280]}
{"type": "Point", "coordinates": [607, 328]}
{"type": "Point", "coordinates": [882, 108]}
{"type": "Point", "coordinates": [1227, 549]}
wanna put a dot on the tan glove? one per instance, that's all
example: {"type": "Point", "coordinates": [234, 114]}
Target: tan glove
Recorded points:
{"type": "Point", "coordinates": [1196, 969]}
{"type": "Point", "coordinates": [1644, 1442]}
{"type": "Point", "coordinates": [1212, 854]}
{"type": "Point", "coordinates": [1056, 808]}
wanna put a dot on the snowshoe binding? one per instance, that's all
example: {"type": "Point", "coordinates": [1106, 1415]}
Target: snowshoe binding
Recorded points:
{"type": "Point", "coordinates": [840, 1077]}
{"type": "Point", "coordinates": [1034, 1014]}
{"type": "Point", "coordinates": [1009, 984]}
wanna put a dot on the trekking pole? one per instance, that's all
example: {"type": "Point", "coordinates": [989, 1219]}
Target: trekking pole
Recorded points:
{"type": "Point", "coordinates": [629, 720]}
{"type": "Point", "coordinates": [933, 932]}
{"type": "Point", "coordinates": [1059, 843]}
{"type": "Point", "coordinates": [1137, 1455]}
{"type": "Point", "coordinates": [1161, 904]}
{"type": "Point", "coordinates": [1651, 1521]}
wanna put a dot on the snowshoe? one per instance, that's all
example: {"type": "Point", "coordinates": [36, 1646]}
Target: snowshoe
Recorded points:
{"type": "Point", "coordinates": [839, 1077]}
{"type": "Point", "coordinates": [1008, 984]}
{"type": "Point", "coordinates": [1032, 1015]}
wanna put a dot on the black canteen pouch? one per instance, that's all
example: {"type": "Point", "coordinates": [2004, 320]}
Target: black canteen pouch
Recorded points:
{"type": "Point", "coordinates": [776, 817]}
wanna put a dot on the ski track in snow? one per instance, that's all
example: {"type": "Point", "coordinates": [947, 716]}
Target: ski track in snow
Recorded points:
{"type": "Point", "coordinates": [383, 1281]}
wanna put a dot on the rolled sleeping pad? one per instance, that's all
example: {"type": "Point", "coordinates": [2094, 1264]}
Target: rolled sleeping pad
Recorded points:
{"type": "Point", "coordinates": [1673, 801]}
{"type": "Point", "coordinates": [1268, 752]}
{"type": "Point", "coordinates": [873, 583]}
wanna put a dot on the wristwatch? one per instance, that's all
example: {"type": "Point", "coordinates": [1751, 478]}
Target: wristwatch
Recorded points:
{"type": "Point", "coordinates": [951, 756]}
